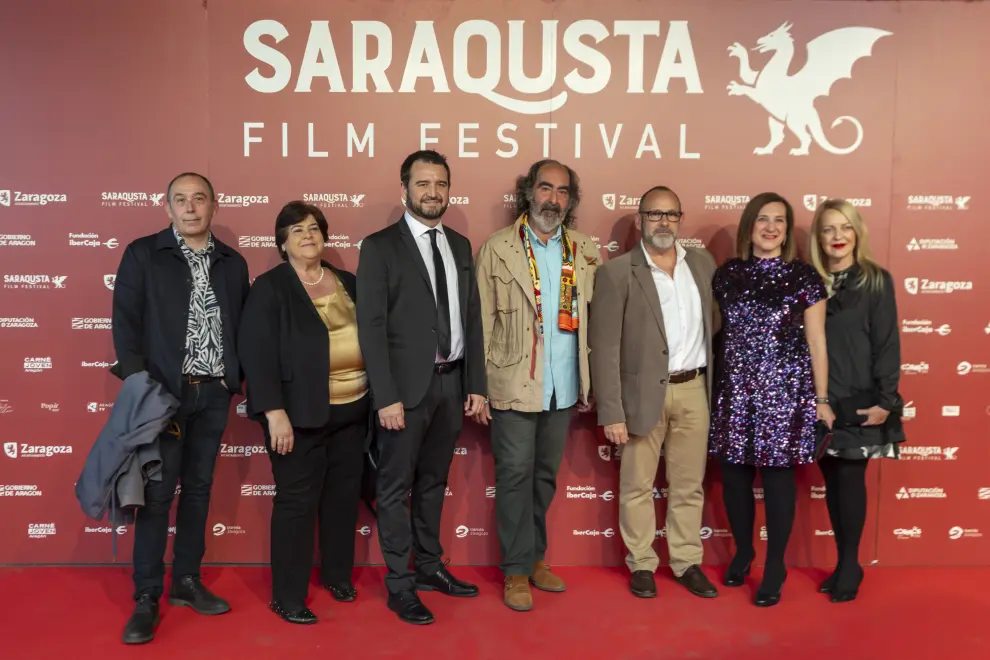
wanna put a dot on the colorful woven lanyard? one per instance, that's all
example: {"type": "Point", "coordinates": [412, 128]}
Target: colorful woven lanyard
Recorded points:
{"type": "Point", "coordinates": [567, 311]}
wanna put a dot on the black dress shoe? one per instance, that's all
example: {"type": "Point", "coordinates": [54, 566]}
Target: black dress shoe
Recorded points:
{"type": "Point", "coordinates": [410, 608]}
{"type": "Point", "coordinates": [140, 628]}
{"type": "Point", "coordinates": [301, 615]}
{"type": "Point", "coordinates": [697, 582]}
{"type": "Point", "coordinates": [342, 592]}
{"type": "Point", "coordinates": [846, 586]}
{"type": "Point", "coordinates": [642, 584]}
{"type": "Point", "coordinates": [770, 589]}
{"type": "Point", "coordinates": [739, 568]}
{"type": "Point", "coordinates": [189, 591]}
{"type": "Point", "coordinates": [445, 583]}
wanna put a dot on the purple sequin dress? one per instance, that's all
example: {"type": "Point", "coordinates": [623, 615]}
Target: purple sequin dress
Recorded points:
{"type": "Point", "coordinates": [763, 411]}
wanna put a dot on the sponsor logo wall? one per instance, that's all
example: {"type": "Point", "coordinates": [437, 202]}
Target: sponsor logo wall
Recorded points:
{"type": "Point", "coordinates": [278, 102]}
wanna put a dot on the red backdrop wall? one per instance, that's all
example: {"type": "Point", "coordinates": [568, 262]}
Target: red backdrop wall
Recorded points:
{"type": "Point", "coordinates": [103, 102]}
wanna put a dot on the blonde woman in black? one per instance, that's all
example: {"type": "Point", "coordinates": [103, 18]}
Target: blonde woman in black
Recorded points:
{"type": "Point", "coordinates": [864, 360]}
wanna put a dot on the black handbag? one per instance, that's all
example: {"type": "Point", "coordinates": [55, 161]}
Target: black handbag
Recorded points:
{"type": "Point", "coordinates": [845, 409]}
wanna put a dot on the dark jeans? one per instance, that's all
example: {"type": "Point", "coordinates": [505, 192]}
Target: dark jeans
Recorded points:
{"type": "Point", "coordinates": [320, 479]}
{"type": "Point", "coordinates": [189, 459]}
{"type": "Point", "coordinates": [418, 458]}
{"type": "Point", "coordinates": [528, 449]}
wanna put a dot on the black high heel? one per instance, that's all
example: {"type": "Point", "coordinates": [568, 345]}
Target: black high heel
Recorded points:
{"type": "Point", "coordinates": [735, 577]}
{"type": "Point", "coordinates": [829, 583]}
{"type": "Point", "coordinates": [844, 591]}
{"type": "Point", "coordinates": [768, 596]}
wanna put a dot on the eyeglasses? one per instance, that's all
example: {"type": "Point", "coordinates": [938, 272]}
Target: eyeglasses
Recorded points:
{"type": "Point", "coordinates": [656, 216]}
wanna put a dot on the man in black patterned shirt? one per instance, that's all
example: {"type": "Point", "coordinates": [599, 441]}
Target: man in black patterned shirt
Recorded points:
{"type": "Point", "coordinates": [177, 303]}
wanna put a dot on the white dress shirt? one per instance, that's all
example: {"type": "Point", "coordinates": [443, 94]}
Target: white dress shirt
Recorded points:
{"type": "Point", "coordinates": [680, 303]}
{"type": "Point", "coordinates": [422, 238]}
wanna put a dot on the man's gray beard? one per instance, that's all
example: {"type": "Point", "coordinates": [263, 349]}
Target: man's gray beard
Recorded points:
{"type": "Point", "coordinates": [545, 225]}
{"type": "Point", "coordinates": [661, 241]}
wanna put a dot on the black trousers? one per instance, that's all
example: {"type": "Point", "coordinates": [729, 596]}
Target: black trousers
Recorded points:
{"type": "Point", "coordinates": [779, 498]}
{"type": "Point", "coordinates": [845, 495]}
{"type": "Point", "coordinates": [417, 458]}
{"type": "Point", "coordinates": [319, 480]}
{"type": "Point", "coordinates": [187, 458]}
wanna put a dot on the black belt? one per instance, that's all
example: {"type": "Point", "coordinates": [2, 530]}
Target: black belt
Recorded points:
{"type": "Point", "coordinates": [197, 379]}
{"type": "Point", "coordinates": [445, 367]}
{"type": "Point", "coordinates": [685, 376]}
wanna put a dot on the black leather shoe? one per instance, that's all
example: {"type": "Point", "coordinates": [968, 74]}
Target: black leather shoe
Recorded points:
{"type": "Point", "coordinates": [301, 615]}
{"type": "Point", "coordinates": [445, 583]}
{"type": "Point", "coordinates": [846, 586]}
{"type": "Point", "coordinates": [190, 592]}
{"type": "Point", "coordinates": [697, 582]}
{"type": "Point", "coordinates": [770, 589]}
{"type": "Point", "coordinates": [342, 592]}
{"type": "Point", "coordinates": [642, 584]}
{"type": "Point", "coordinates": [140, 628]}
{"type": "Point", "coordinates": [410, 608]}
{"type": "Point", "coordinates": [739, 569]}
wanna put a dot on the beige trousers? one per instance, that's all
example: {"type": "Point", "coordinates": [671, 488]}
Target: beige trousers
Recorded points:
{"type": "Point", "coordinates": [682, 434]}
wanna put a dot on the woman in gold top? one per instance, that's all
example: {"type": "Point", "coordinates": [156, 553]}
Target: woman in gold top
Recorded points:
{"type": "Point", "coordinates": [307, 386]}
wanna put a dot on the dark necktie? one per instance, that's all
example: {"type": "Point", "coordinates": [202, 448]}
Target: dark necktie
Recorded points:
{"type": "Point", "coordinates": [443, 302]}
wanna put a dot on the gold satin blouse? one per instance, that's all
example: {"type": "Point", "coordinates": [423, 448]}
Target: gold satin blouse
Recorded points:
{"type": "Point", "coordinates": [348, 379]}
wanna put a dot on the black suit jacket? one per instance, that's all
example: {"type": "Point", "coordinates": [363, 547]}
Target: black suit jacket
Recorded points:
{"type": "Point", "coordinates": [151, 308]}
{"type": "Point", "coordinates": [284, 348]}
{"type": "Point", "coordinates": [397, 316]}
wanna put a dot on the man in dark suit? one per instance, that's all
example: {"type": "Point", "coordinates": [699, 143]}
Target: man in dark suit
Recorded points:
{"type": "Point", "coordinates": [177, 303]}
{"type": "Point", "coordinates": [419, 324]}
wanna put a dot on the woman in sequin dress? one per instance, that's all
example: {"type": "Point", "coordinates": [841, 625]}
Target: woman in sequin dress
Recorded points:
{"type": "Point", "coordinates": [864, 367]}
{"type": "Point", "coordinates": [772, 384]}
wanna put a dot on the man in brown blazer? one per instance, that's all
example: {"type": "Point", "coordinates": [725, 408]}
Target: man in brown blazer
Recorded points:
{"type": "Point", "coordinates": [650, 335]}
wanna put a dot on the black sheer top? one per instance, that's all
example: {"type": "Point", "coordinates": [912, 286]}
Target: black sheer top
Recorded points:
{"type": "Point", "coordinates": [864, 359]}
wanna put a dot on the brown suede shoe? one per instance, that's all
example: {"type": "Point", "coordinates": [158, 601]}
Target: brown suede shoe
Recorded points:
{"type": "Point", "coordinates": [518, 597]}
{"type": "Point", "coordinates": [544, 580]}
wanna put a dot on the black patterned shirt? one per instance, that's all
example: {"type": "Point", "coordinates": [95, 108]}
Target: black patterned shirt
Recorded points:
{"type": "Point", "coordinates": [204, 328]}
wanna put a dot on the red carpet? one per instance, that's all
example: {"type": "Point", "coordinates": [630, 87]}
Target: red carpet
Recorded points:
{"type": "Point", "coordinates": [901, 613]}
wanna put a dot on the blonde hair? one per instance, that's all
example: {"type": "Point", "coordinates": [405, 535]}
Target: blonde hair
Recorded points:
{"type": "Point", "coordinates": [871, 274]}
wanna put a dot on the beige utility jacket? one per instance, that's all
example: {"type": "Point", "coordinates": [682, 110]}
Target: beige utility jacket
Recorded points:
{"type": "Point", "coordinates": [513, 348]}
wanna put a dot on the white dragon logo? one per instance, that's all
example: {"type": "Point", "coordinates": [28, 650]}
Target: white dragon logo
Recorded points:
{"type": "Point", "coordinates": [790, 99]}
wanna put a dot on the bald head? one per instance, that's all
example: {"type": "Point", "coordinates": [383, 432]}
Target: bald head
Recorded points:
{"type": "Point", "coordinates": [659, 219]}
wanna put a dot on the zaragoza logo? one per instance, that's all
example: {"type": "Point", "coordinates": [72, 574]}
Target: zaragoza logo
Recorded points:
{"type": "Point", "coordinates": [790, 99]}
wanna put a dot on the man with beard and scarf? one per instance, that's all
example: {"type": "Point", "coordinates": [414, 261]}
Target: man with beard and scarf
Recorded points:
{"type": "Point", "coordinates": [536, 280]}
{"type": "Point", "coordinates": [652, 323]}
{"type": "Point", "coordinates": [419, 328]}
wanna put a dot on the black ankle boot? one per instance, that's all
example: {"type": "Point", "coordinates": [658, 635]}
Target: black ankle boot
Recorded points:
{"type": "Point", "coordinates": [140, 628]}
